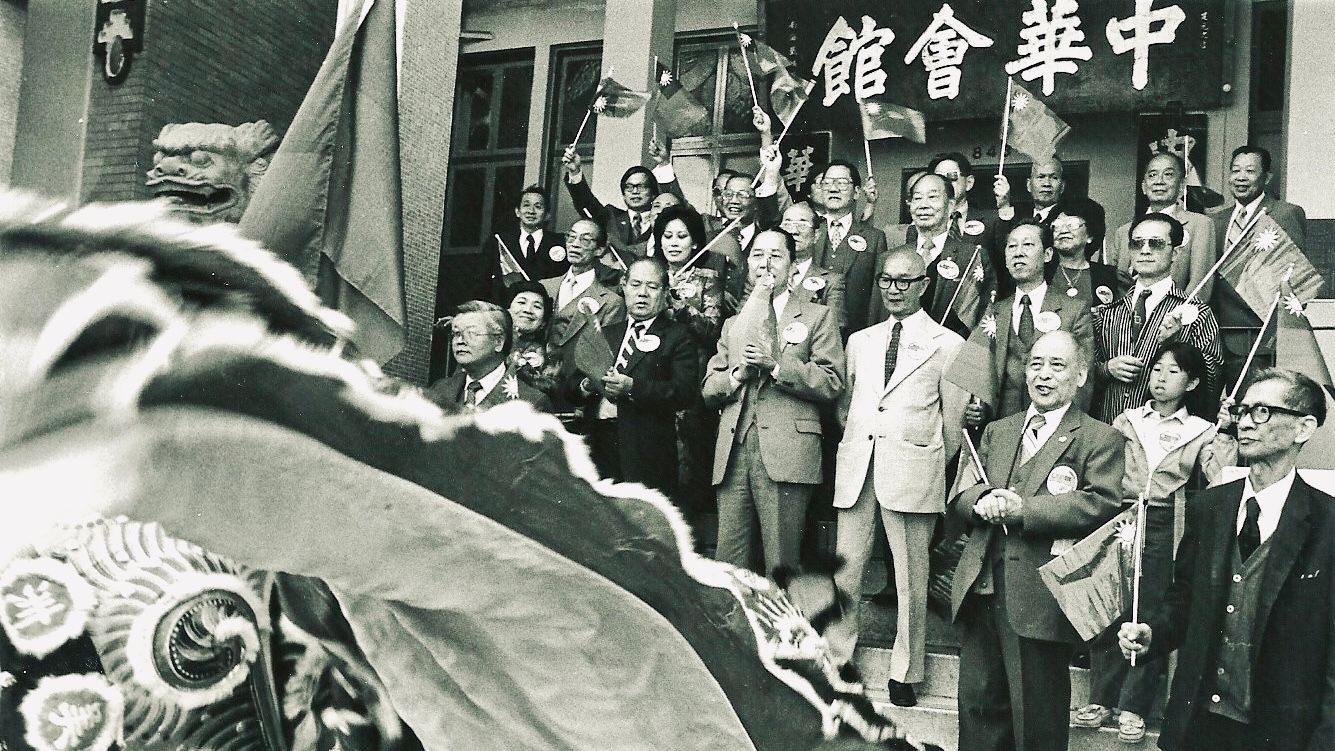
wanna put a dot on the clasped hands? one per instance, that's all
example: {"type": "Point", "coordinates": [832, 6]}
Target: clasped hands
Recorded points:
{"type": "Point", "coordinates": [1000, 506]}
{"type": "Point", "coordinates": [613, 385]}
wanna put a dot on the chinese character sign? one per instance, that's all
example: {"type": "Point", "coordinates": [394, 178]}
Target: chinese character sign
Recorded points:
{"type": "Point", "coordinates": [950, 60]}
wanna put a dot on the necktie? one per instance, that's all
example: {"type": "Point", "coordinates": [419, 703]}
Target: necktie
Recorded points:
{"type": "Point", "coordinates": [836, 235]}
{"type": "Point", "coordinates": [1249, 537]}
{"type": "Point", "coordinates": [957, 224]}
{"type": "Point", "coordinates": [892, 351]}
{"type": "Point", "coordinates": [628, 346]}
{"type": "Point", "coordinates": [636, 225]}
{"type": "Point", "coordinates": [1029, 446]}
{"type": "Point", "coordinates": [470, 395]}
{"type": "Point", "coordinates": [529, 248]}
{"type": "Point", "coordinates": [567, 292]}
{"type": "Point", "coordinates": [1140, 314]}
{"type": "Point", "coordinates": [1235, 228]}
{"type": "Point", "coordinates": [1026, 329]}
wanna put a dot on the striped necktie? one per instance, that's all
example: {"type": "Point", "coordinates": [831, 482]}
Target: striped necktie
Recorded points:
{"type": "Point", "coordinates": [892, 351]}
{"type": "Point", "coordinates": [1236, 227]}
{"type": "Point", "coordinates": [628, 346]}
{"type": "Point", "coordinates": [1029, 445]}
{"type": "Point", "coordinates": [471, 394]}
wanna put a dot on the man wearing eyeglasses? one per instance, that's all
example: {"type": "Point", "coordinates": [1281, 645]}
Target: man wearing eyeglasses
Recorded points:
{"type": "Point", "coordinates": [770, 388]}
{"type": "Point", "coordinates": [639, 185]}
{"type": "Point", "coordinates": [1162, 185]}
{"type": "Point", "coordinates": [579, 294]}
{"type": "Point", "coordinates": [901, 421]}
{"type": "Point", "coordinates": [1127, 332]}
{"type": "Point", "coordinates": [847, 245]}
{"type": "Point", "coordinates": [1251, 611]}
{"type": "Point", "coordinates": [630, 411]}
{"type": "Point", "coordinates": [480, 340]}
{"type": "Point", "coordinates": [959, 273]}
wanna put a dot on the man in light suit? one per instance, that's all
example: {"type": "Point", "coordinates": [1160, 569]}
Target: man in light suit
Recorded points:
{"type": "Point", "coordinates": [1251, 611]}
{"type": "Point", "coordinates": [480, 340]}
{"type": "Point", "coordinates": [1009, 327]}
{"type": "Point", "coordinates": [1249, 175]}
{"type": "Point", "coordinates": [846, 245]}
{"type": "Point", "coordinates": [901, 423]}
{"type": "Point", "coordinates": [955, 294]}
{"type": "Point", "coordinates": [1162, 185]}
{"type": "Point", "coordinates": [579, 292]}
{"type": "Point", "coordinates": [1053, 476]}
{"type": "Point", "coordinates": [768, 454]}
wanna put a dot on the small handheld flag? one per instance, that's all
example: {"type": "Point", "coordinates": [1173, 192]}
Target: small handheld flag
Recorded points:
{"type": "Point", "coordinates": [674, 108]}
{"type": "Point", "coordinates": [885, 119]}
{"type": "Point", "coordinates": [1030, 126]}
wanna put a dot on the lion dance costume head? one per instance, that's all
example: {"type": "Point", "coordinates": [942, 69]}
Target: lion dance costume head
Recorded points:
{"type": "Point", "coordinates": [220, 534]}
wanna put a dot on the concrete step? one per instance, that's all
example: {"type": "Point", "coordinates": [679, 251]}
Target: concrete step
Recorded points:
{"type": "Point", "coordinates": [936, 718]}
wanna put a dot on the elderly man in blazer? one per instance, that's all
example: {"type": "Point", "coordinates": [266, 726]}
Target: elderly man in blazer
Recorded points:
{"type": "Point", "coordinates": [846, 245]}
{"type": "Point", "coordinates": [1009, 327]}
{"type": "Point", "coordinates": [630, 411]}
{"type": "Point", "coordinates": [1053, 475]}
{"type": "Point", "coordinates": [1251, 610]}
{"type": "Point", "coordinates": [480, 340]}
{"type": "Point", "coordinates": [767, 457]}
{"type": "Point", "coordinates": [960, 277]}
{"type": "Point", "coordinates": [578, 292]}
{"type": "Point", "coordinates": [902, 422]}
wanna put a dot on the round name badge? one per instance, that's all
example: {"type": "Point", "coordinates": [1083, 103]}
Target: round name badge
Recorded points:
{"type": "Point", "coordinates": [647, 343]}
{"type": "Point", "coordinates": [688, 290]}
{"type": "Point", "coordinates": [857, 243]}
{"type": "Point", "coordinates": [1104, 294]}
{"type": "Point", "coordinates": [1168, 440]}
{"type": "Point", "coordinates": [1047, 322]}
{"type": "Point", "coordinates": [795, 332]}
{"type": "Point", "coordinates": [589, 305]}
{"type": "Point", "coordinates": [814, 283]}
{"type": "Point", "coordinates": [557, 253]}
{"type": "Point", "coordinates": [1186, 313]}
{"type": "Point", "coordinates": [948, 269]}
{"type": "Point", "coordinates": [973, 227]}
{"type": "Point", "coordinates": [1061, 479]}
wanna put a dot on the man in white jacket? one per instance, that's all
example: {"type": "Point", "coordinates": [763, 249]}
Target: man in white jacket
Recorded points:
{"type": "Point", "coordinates": [902, 424]}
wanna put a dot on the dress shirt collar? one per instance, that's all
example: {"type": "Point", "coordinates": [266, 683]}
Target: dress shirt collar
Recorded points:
{"type": "Point", "coordinates": [1053, 418]}
{"type": "Point", "coordinates": [488, 381]}
{"type": "Point", "coordinates": [800, 269]}
{"type": "Point", "coordinates": [1036, 297]}
{"type": "Point", "coordinates": [1149, 413]}
{"type": "Point", "coordinates": [1244, 213]}
{"type": "Point", "coordinates": [779, 303]}
{"type": "Point", "coordinates": [575, 285]}
{"type": "Point", "coordinates": [938, 245]}
{"type": "Point", "coordinates": [912, 320]}
{"type": "Point", "coordinates": [1044, 214]}
{"type": "Point", "coordinates": [1271, 500]}
{"type": "Point", "coordinates": [1158, 291]}
{"type": "Point", "coordinates": [845, 222]}
{"type": "Point", "coordinates": [744, 235]}
{"type": "Point", "coordinates": [523, 239]}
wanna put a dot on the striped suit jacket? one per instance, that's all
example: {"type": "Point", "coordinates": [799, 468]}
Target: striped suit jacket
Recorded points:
{"type": "Point", "coordinates": [1114, 336]}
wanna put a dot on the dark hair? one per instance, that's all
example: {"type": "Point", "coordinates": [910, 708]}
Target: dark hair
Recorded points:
{"type": "Point", "coordinates": [950, 186]}
{"type": "Point", "coordinates": [1176, 234]}
{"type": "Point", "coordinates": [725, 173]}
{"type": "Point", "coordinates": [736, 174]}
{"type": "Point", "coordinates": [1304, 394]}
{"type": "Point", "coordinates": [1197, 401]}
{"type": "Point", "coordinates": [853, 173]}
{"type": "Point", "coordinates": [536, 190]}
{"type": "Point", "coordinates": [1251, 148]}
{"type": "Point", "coordinates": [1044, 230]}
{"type": "Point", "coordinates": [966, 168]}
{"type": "Point", "coordinates": [1179, 161]}
{"type": "Point", "coordinates": [489, 308]}
{"type": "Point", "coordinates": [536, 288]}
{"type": "Point", "coordinates": [788, 240]}
{"type": "Point", "coordinates": [637, 169]}
{"type": "Point", "coordinates": [657, 263]}
{"type": "Point", "coordinates": [688, 216]}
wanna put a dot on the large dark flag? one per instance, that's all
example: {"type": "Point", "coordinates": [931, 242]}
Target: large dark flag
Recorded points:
{"type": "Point", "coordinates": [1092, 580]}
{"type": "Point", "coordinates": [1035, 130]}
{"type": "Point", "coordinates": [331, 203]}
{"type": "Point", "coordinates": [1298, 344]}
{"type": "Point", "coordinates": [674, 107]}
{"type": "Point", "coordinates": [1257, 266]}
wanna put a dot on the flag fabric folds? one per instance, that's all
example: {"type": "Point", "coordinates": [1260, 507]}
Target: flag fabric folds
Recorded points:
{"type": "Point", "coordinates": [593, 356]}
{"type": "Point", "coordinates": [331, 202]}
{"type": "Point", "coordinates": [787, 90]}
{"type": "Point", "coordinates": [615, 100]}
{"type": "Point", "coordinates": [972, 369]}
{"type": "Point", "coordinates": [1035, 130]}
{"type": "Point", "coordinates": [755, 323]}
{"type": "Point", "coordinates": [885, 119]}
{"type": "Point", "coordinates": [1092, 580]}
{"type": "Point", "coordinates": [1256, 267]}
{"type": "Point", "coordinates": [674, 108]}
{"type": "Point", "coordinates": [1298, 347]}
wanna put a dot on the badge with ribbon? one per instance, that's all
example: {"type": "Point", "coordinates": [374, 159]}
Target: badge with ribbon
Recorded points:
{"type": "Point", "coordinates": [795, 332]}
{"type": "Point", "coordinates": [1061, 479]}
{"type": "Point", "coordinates": [589, 305]}
{"type": "Point", "coordinates": [557, 253]}
{"type": "Point", "coordinates": [1186, 313]}
{"type": "Point", "coordinates": [1047, 322]}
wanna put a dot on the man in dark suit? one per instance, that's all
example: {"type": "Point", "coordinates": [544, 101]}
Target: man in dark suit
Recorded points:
{"type": "Point", "coordinates": [631, 225]}
{"type": "Point", "coordinates": [1249, 175]}
{"type": "Point", "coordinates": [1074, 274]}
{"type": "Point", "coordinates": [847, 245]}
{"type": "Point", "coordinates": [1251, 609]}
{"type": "Point", "coordinates": [973, 225]}
{"type": "Point", "coordinates": [539, 252]}
{"type": "Point", "coordinates": [960, 277]}
{"type": "Point", "coordinates": [480, 340]}
{"type": "Point", "coordinates": [1053, 476]}
{"type": "Point", "coordinates": [630, 412]}
{"type": "Point", "coordinates": [767, 457]}
{"type": "Point", "coordinates": [1048, 189]}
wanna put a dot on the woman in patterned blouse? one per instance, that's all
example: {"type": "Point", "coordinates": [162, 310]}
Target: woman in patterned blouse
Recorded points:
{"type": "Point", "coordinates": [696, 300]}
{"type": "Point", "coordinates": [531, 310]}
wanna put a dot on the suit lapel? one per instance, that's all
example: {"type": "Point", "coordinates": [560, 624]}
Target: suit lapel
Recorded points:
{"type": "Point", "coordinates": [1003, 341]}
{"type": "Point", "coordinates": [1221, 546]}
{"type": "Point", "coordinates": [791, 312]}
{"type": "Point", "coordinates": [636, 354]}
{"type": "Point", "coordinates": [913, 352]}
{"type": "Point", "coordinates": [1041, 463]}
{"type": "Point", "coordinates": [1285, 545]}
{"type": "Point", "coordinates": [1008, 448]}
{"type": "Point", "coordinates": [498, 395]}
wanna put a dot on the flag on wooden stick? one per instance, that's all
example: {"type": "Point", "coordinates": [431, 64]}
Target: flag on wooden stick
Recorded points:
{"type": "Point", "coordinates": [885, 119]}
{"type": "Point", "coordinates": [615, 100]}
{"type": "Point", "coordinates": [1035, 130]}
{"type": "Point", "coordinates": [1257, 266]}
{"type": "Point", "coordinates": [1092, 580]}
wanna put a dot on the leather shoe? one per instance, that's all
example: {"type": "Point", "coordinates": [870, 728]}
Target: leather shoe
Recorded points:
{"type": "Point", "coordinates": [902, 694]}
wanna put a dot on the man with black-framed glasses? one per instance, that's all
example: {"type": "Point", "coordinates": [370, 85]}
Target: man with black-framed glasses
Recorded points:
{"type": "Point", "coordinates": [901, 421]}
{"type": "Point", "coordinates": [1251, 609]}
{"type": "Point", "coordinates": [1127, 332]}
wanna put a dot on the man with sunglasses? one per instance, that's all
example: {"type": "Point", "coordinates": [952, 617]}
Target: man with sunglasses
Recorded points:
{"type": "Point", "coordinates": [1127, 332]}
{"type": "Point", "coordinates": [901, 421]}
{"type": "Point", "coordinates": [1251, 609]}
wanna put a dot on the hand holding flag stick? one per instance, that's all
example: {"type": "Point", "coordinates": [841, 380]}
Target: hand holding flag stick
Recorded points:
{"type": "Point", "coordinates": [978, 465]}
{"type": "Point", "coordinates": [1256, 345]}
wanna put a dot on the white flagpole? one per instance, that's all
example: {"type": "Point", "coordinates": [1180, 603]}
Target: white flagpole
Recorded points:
{"type": "Point", "coordinates": [709, 244]}
{"type": "Point", "coordinates": [745, 63]}
{"type": "Point", "coordinates": [1005, 127]}
{"type": "Point", "coordinates": [958, 287]}
{"type": "Point", "coordinates": [866, 149]}
{"type": "Point", "coordinates": [978, 466]}
{"type": "Point", "coordinates": [1224, 256]}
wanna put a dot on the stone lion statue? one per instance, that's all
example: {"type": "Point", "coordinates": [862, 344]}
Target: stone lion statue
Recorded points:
{"type": "Point", "coordinates": [207, 172]}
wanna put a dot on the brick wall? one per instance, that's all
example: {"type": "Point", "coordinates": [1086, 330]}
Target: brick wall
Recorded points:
{"type": "Point", "coordinates": [203, 61]}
